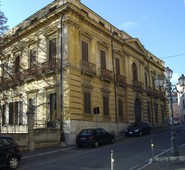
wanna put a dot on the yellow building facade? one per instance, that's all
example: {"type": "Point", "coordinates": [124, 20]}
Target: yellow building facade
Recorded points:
{"type": "Point", "coordinates": [68, 64]}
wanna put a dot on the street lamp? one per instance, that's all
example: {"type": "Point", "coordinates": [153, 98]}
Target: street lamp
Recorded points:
{"type": "Point", "coordinates": [164, 81]}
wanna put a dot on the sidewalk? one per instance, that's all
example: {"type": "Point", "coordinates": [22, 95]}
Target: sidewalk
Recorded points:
{"type": "Point", "coordinates": [167, 162]}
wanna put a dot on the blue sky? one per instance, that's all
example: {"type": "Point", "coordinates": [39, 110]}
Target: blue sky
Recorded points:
{"type": "Point", "coordinates": [159, 24]}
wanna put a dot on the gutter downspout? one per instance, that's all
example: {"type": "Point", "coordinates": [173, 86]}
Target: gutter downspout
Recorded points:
{"type": "Point", "coordinates": [114, 78]}
{"type": "Point", "coordinates": [62, 135]}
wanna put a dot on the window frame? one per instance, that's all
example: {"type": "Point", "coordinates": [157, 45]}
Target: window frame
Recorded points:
{"type": "Point", "coordinates": [87, 102]}
{"type": "Point", "coordinates": [120, 108]}
{"type": "Point", "coordinates": [52, 50]}
{"type": "Point", "coordinates": [33, 57]}
{"type": "Point", "coordinates": [105, 102]}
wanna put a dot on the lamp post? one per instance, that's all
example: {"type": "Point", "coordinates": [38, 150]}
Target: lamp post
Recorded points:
{"type": "Point", "coordinates": [164, 81]}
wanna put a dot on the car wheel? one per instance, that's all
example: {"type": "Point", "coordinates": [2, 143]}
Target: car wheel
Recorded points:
{"type": "Point", "coordinates": [96, 144]}
{"type": "Point", "coordinates": [13, 162]}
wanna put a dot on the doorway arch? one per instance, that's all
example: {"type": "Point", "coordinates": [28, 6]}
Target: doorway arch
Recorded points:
{"type": "Point", "coordinates": [137, 110]}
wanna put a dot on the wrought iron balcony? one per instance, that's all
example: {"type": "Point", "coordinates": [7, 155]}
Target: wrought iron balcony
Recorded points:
{"type": "Point", "coordinates": [14, 80]}
{"type": "Point", "coordinates": [106, 75]}
{"type": "Point", "coordinates": [50, 66]}
{"type": "Point", "coordinates": [88, 68]}
{"type": "Point", "coordinates": [137, 86]}
{"type": "Point", "coordinates": [120, 80]}
{"type": "Point", "coordinates": [4, 83]}
{"type": "Point", "coordinates": [30, 73]}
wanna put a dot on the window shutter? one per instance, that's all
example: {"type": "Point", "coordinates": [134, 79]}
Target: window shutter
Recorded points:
{"type": "Point", "coordinates": [105, 105]}
{"type": "Point", "coordinates": [103, 59]}
{"type": "Point", "coordinates": [120, 107]}
{"type": "Point", "coordinates": [32, 57]}
{"type": "Point", "coordinates": [17, 64]}
{"type": "Point", "coordinates": [84, 51]}
{"type": "Point", "coordinates": [52, 49]}
{"type": "Point", "coordinates": [87, 102]}
{"type": "Point", "coordinates": [117, 66]}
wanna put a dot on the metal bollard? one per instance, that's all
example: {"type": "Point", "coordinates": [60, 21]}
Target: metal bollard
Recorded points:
{"type": "Point", "coordinates": [112, 160]}
{"type": "Point", "coordinates": [152, 148]}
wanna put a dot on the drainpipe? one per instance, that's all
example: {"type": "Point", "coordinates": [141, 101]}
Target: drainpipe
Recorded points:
{"type": "Point", "coordinates": [62, 135]}
{"type": "Point", "coordinates": [151, 100]}
{"type": "Point", "coordinates": [114, 78]}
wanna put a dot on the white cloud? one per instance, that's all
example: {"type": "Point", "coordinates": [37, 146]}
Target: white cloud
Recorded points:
{"type": "Point", "coordinates": [128, 25]}
{"type": "Point", "coordinates": [175, 78]}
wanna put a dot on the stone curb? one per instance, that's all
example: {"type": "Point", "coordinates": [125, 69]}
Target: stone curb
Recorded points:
{"type": "Point", "coordinates": [170, 158]}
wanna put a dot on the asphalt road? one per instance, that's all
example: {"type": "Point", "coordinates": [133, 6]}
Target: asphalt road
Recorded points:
{"type": "Point", "coordinates": [129, 154]}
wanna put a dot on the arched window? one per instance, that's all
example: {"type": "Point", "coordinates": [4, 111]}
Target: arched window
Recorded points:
{"type": "Point", "coordinates": [134, 70]}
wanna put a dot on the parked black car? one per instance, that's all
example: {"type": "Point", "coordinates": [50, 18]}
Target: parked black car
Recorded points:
{"type": "Point", "coordinates": [94, 137]}
{"type": "Point", "coordinates": [138, 129]}
{"type": "Point", "coordinates": [10, 155]}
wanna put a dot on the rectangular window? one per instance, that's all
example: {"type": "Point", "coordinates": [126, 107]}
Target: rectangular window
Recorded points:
{"type": "Point", "coordinates": [14, 113]}
{"type": "Point", "coordinates": [20, 113]}
{"type": "Point", "coordinates": [5, 73]}
{"type": "Point", "coordinates": [52, 49]}
{"type": "Point", "coordinates": [103, 59]}
{"type": "Point", "coordinates": [156, 113]}
{"type": "Point", "coordinates": [117, 66]}
{"type": "Point", "coordinates": [11, 114]}
{"type": "Point", "coordinates": [87, 103]}
{"type": "Point", "coordinates": [53, 106]}
{"type": "Point", "coordinates": [17, 64]}
{"type": "Point", "coordinates": [3, 114]}
{"type": "Point", "coordinates": [33, 57]}
{"type": "Point", "coordinates": [146, 79]}
{"type": "Point", "coordinates": [153, 83]}
{"type": "Point", "coordinates": [120, 108]}
{"type": "Point", "coordinates": [85, 51]}
{"type": "Point", "coordinates": [149, 112]}
{"type": "Point", "coordinates": [162, 113]}
{"type": "Point", "coordinates": [105, 105]}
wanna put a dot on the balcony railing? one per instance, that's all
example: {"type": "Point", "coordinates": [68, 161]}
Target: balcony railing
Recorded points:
{"type": "Point", "coordinates": [106, 75]}
{"type": "Point", "coordinates": [120, 80]}
{"type": "Point", "coordinates": [14, 80]}
{"type": "Point", "coordinates": [28, 74]}
{"type": "Point", "coordinates": [137, 86]}
{"type": "Point", "coordinates": [49, 66]}
{"type": "Point", "coordinates": [4, 83]}
{"type": "Point", "coordinates": [88, 68]}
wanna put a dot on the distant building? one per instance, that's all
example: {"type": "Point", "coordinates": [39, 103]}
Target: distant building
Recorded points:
{"type": "Point", "coordinates": [181, 104]}
{"type": "Point", "coordinates": [64, 61]}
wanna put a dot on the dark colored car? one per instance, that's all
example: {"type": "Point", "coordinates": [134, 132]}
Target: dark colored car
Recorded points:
{"type": "Point", "coordinates": [10, 155]}
{"type": "Point", "coordinates": [94, 137]}
{"type": "Point", "coordinates": [138, 129]}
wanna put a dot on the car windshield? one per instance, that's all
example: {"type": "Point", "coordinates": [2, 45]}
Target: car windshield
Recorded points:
{"type": "Point", "coordinates": [86, 132]}
{"type": "Point", "coordinates": [135, 124]}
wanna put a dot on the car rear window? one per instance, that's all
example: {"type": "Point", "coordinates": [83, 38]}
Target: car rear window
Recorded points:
{"type": "Point", "coordinates": [86, 132]}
